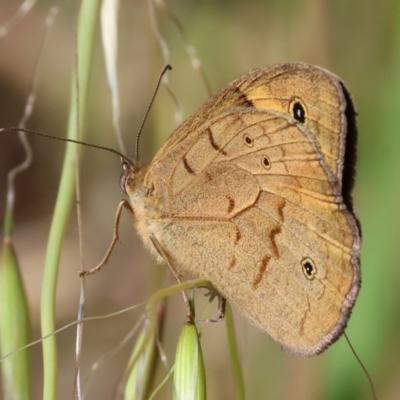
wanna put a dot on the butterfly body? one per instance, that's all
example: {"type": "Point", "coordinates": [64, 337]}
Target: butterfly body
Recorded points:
{"type": "Point", "coordinates": [253, 193]}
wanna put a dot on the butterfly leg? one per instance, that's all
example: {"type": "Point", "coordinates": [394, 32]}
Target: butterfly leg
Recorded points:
{"type": "Point", "coordinates": [221, 308]}
{"type": "Point", "coordinates": [221, 305]}
{"type": "Point", "coordinates": [163, 254]}
{"type": "Point", "coordinates": [122, 204]}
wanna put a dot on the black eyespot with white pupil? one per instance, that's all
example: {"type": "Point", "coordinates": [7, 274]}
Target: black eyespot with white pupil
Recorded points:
{"type": "Point", "coordinates": [298, 111]}
{"type": "Point", "coordinates": [309, 268]}
{"type": "Point", "coordinates": [265, 162]}
{"type": "Point", "coordinates": [248, 140]}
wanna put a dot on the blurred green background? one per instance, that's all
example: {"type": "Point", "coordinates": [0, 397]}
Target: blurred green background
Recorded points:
{"type": "Point", "coordinates": [357, 40]}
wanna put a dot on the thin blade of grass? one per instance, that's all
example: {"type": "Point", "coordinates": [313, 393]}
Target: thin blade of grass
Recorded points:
{"type": "Point", "coordinates": [87, 23]}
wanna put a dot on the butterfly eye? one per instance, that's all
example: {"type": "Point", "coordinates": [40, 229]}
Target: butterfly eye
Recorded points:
{"type": "Point", "coordinates": [298, 110]}
{"type": "Point", "coordinates": [309, 268]}
{"type": "Point", "coordinates": [125, 175]}
{"type": "Point", "coordinates": [248, 140]}
{"type": "Point", "coordinates": [265, 162]}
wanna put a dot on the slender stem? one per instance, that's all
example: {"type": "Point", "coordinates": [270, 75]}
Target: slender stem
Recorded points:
{"type": "Point", "coordinates": [87, 23]}
{"type": "Point", "coordinates": [234, 354]}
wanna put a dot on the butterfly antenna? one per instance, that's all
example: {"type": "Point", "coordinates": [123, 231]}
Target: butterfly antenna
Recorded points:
{"type": "Point", "coordinates": [17, 129]}
{"type": "Point", "coordinates": [164, 70]}
{"type": "Point", "coordinates": [362, 366]}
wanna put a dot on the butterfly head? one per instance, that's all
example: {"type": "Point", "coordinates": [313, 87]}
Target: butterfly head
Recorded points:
{"type": "Point", "coordinates": [132, 176]}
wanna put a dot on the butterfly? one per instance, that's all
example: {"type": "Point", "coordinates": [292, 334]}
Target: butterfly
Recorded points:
{"type": "Point", "coordinates": [253, 193]}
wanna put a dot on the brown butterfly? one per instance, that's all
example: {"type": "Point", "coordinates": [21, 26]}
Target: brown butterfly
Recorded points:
{"type": "Point", "coordinates": [253, 193]}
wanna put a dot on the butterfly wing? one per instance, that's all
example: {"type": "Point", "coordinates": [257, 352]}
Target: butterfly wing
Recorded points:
{"type": "Point", "coordinates": [327, 103]}
{"type": "Point", "coordinates": [252, 200]}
